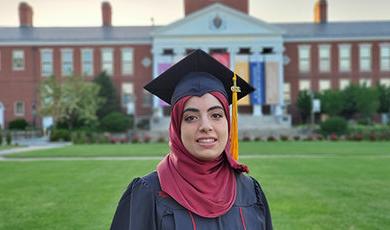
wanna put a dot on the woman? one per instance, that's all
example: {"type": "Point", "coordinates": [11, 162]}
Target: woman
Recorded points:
{"type": "Point", "coordinates": [198, 185]}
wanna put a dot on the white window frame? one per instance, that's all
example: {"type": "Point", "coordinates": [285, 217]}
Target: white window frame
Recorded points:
{"type": "Point", "coordinates": [15, 53]}
{"type": "Point", "coordinates": [324, 84]}
{"type": "Point", "coordinates": [344, 57]}
{"type": "Point", "coordinates": [287, 93]}
{"type": "Point", "coordinates": [44, 62]}
{"type": "Point", "coordinates": [85, 62]}
{"type": "Point", "coordinates": [365, 62]}
{"type": "Point", "coordinates": [344, 83]}
{"type": "Point", "coordinates": [127, 65]}
{"type": "Point", "coordinates": [324, 58]}
{"type": "Point", "coordinates": [67, 66]}
{"type": "Point", "coordinates": [385, 57]}
{"type": "Point", "coordinates": [385, 81]}
{"type": "Point", "coordinates": [305, 86]}
{"type": "Point", "coordinates": [106, 63]}
{"type": "Point", "coordinates": [304, 61]}
{"type": "Point", "coordinates": [16, 108]}
{"type": "Point", "coordinates": [365, 81]}
{"type": "Point", "coordinates": [147, 100]}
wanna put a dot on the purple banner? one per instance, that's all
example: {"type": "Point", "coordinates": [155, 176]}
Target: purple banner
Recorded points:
{"type": "Point", "coordinates": [257, 79]}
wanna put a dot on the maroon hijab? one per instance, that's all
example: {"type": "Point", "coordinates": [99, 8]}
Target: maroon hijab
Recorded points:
{"type": "Point", "coordinates": [207, 188]}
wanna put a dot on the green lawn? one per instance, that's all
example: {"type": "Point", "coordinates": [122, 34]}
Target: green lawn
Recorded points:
{"type": "Point", "coordinates": [347, 187]}
{"type": "Point", "coordinates": [246, 148]}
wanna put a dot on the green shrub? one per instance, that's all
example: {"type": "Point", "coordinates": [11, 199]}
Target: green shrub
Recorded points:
{"type": "Point", "coordinates": [60, 135]}
{"type": "Point", "coordinates": [115, 122]}
{"type": "Point", "coordinates": [18, 124]}
{"type": "Point", "coordinates": [8, 138]}
{"type": "Point", "coordinates": [1, 138]}
{"type": "Point", "coordinates": [334, 125]}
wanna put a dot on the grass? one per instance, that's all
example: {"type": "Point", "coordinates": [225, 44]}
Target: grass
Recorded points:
{"type": "Point", "coordinates": [246, 148]}
{"type": "Point", "coordinates": [346, 189]}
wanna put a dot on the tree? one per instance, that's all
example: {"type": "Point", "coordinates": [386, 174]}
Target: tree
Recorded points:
{"type": "Point", "coordinates": [73, 101]}
{"type": "Point", "coordinates": [367, 102]}
{"type": "Point", "coordinates": [332, 102]}
{"type": "Point", "coordinates": [108, 93]}
{"type": "Point", "coordinates": [384, 98]}
{"type": "Point", "coordinates": [50, 93]}
{"type": "Point", "coordinates": [349, 95]}
{"type": "Point", "coordinates": [304, 104]}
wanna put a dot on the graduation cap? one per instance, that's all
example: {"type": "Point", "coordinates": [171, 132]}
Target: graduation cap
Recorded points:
{"type": "Point", "coordinates": [196, 74]}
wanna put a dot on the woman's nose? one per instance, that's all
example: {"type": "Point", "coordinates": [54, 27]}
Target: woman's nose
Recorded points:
{"type": "Point", "coordinates": [205, 125]}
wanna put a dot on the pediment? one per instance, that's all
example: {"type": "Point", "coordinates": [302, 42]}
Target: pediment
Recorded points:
{"type": "Point", "coordinates": [215, 20]}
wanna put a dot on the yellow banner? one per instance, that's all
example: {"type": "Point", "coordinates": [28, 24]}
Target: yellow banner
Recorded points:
{"type": "Point", "coordinates": [241, 68]}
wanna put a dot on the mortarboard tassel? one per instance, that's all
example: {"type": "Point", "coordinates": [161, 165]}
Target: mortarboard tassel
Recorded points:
{"type": "Point", "coordinates": [234, 124]}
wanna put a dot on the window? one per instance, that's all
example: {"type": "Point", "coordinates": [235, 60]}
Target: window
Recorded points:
{"type": "Point", "coordinates": [365, 82]}
{"type": "Point", "coordinates": [18, 60]}
{"type": "Point", "coordinates": [324, 85]}
{"type": "Point", "coordinates": [365, 57]}
{"type": "Point", "coordinates": [107, 61]}
{"type": "Point", "coordinates": [19, 108]}
{"type": "Point", "coordinates": [324, 58]}
{"type": "Point", "coordinates": [385, 57]}
{"type": "Point", "coordinates": [46, 62]}
{"type": "Point", "coordinates": [287, 93]}
{"type": "Point", "coordinates": [304, 85]}
{"type": "Point", "coordinates": [344, 58]}
{"type": "Point", "coordinates": [385, 82]}
{"type": "Point", "coordinates": [87, 62]}
{"type": "Point", "coordinates": [128, 97]}
{"type": "Point", "coordinates": [127, 61]}
{"type": "Point", "coordinates": [147, 99]}
{"type": "Point", "coordinates": [67, 62]}
{"type": "Point", "coordinates": [344, 83]}
{"type": "Point", "coordinates": [304, 58]}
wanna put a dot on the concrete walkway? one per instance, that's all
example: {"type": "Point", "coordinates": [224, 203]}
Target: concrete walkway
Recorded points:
{"type": "Point", "coordinates": [32, 144]}
{"type": "Point", "coordinates": [155, 158]}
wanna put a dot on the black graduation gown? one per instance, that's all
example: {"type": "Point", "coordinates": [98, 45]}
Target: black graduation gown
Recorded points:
{"type": "Point", "coordinates": [144, 207]}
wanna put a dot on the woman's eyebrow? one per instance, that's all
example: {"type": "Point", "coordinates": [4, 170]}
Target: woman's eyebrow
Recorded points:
{"type": "Point", "coordinates": [214, 107]}
{"type": "Point", "coordinates": [191, 110]}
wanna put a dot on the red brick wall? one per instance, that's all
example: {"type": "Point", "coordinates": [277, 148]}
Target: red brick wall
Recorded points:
{"type": "Point", "coordinates": [292, 74]}
{"type": "Point", "coordinates": [22, 85]}
{"type": "Point", "coordinates": [191, 6]}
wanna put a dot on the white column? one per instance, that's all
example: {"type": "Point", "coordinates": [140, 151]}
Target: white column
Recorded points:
{"type": "Point", "coordinates": [232, 54]}
{"type": "Point", "coordinates": [180, 52]}
{"type": "Point", "coordinates": [280, 106]}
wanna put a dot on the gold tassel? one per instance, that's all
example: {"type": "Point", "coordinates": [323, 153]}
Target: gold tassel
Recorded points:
{"type": "Point", "coordinates": [234, 124]}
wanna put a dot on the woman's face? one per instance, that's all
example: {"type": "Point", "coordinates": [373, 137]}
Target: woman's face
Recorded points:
{"type": "Point", "coordinates": [204, 127]}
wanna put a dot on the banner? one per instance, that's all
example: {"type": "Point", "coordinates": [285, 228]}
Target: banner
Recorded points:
{"type": "Point", "coordinates": [162, 67]}
{"type": "Point", "coordinates": [241, 68]}
{"type": "Point", "coordinates": [223, 58]}
{"type": "Point", "coordinates": [257, 80]}
{"type": "Point", "coordinates": [272, 83]}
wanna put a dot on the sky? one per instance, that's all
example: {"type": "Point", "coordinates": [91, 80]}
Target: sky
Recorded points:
{"type": "Point", "coordinates": [139, 12]}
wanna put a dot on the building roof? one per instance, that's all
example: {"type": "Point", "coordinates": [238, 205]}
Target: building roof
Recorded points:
{"type": "Point", "coordinates": [336, 30]}
{"type": "Point", "coordinates": [142, 34]}
{"type": "Point", "coordinates": [138, 34]}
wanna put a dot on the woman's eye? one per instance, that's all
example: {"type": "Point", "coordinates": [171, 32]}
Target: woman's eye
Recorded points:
{"type": "Point", "coordinates": [190, 118]}
{"type": "Point", "coordinates": [216, 115]}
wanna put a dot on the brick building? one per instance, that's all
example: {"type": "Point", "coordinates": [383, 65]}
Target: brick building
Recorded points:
{"type": "Point", "coordinates": [278, 58]}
